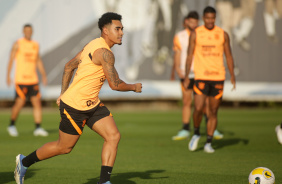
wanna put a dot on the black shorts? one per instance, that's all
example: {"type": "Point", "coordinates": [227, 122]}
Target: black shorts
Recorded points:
{"type": "Point", "coordinates": [73, 120]}
{"type": "Point", "coordinates": [190, 86]}
{"type": "Point", "coordinates": [27, 91]}
{"type": "Point", "coordinates": [209, 88]}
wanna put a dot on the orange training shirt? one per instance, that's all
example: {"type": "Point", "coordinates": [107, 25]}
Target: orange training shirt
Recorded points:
{"type": "Point", "coordinates": [181, 42]}
{"type": "Point", "coordinates": [208, 54]}
{"type": "Point", "coordinates": [26, 62]}
{"type": "Point", "coordinates": [83, 92]}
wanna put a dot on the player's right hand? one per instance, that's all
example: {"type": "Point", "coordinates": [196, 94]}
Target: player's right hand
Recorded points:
{"type": "Point", "coordinates": [138, 88]}
{"type": "Point", "coordinates": [186, 82]}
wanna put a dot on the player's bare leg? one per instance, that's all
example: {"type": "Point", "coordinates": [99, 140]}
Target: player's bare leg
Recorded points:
{"type": "Point", "coordinates": [199, 101]}
{"type": "Point", "coordinates": [107, 129]}
{"type": "Point", "coordinates": [37, 115]}
{"type": "Point", "coordinates": [19, 103]}
{"type": "Point", "coordinates": [186, 109]}
{"type": "Point", "coordinates": [186, 115]}
{"type": "Point", "coordinates": [37, 109]}
{"type": "Point", "coordinates": [213, 109]}
{"type": "Point", "coordinates": [63, 145]}
{"type": "Point", "coordinates": [212, 122]}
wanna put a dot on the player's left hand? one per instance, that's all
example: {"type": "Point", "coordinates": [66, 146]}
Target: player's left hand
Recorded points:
{"type": "Point", "coordinates": [186, 82]}
{"type": "Point", "coordinates": [58, 101]}
{"type": "Point", "coordinates": [233, 81]}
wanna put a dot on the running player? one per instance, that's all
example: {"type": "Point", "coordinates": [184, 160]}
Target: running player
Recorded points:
{"type": "Point", "coordinates": [278, 130]}
{"type": "Point", "coordinates": [180, 46]}
{"type": "Point", "coordinates": [206, 46]}
{"type": "Point", "coordinates": [94, 63]}
{"type": "Point", "coordinates": [26, 53]}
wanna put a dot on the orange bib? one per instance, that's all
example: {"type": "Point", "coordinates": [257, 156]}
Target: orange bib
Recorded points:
{"type": "Point", "coordinates": [26, 62]}
{"type": "Point", "coordinates": [83, 92]}
{"type": "Point", "coordinates": [208, 54]}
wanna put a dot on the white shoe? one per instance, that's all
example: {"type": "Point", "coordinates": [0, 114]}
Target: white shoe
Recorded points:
{"type": "Point", "coordinates": [40, 132]}
{"type": "Point", "coordinates": [208, 148]}
{"type": "Point", "coordinates": [13, 131]}
{"type": "Point", "coordinates": [193, 144]}
{"type": "Point", "coordinates": [279, 133]}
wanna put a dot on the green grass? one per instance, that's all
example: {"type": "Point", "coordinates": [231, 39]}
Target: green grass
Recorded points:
{"type": "Point", "coordinates": [147, 155]}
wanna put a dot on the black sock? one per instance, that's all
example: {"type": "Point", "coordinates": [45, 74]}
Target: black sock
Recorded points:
{"type": "Point", "coordinates": [186, 126]}
{"type": "Point", "coordinates": [37, 125]}
{"type": "Point", "coordinates": [206, 118]}
{"type": "Point", "coordinates": [209, 139]}
{"type": "Point", "coordinates": [12, 123]}
{"type": "Point", "coordinates": [196, 131]}
{"type": "Point", "coordinates": [105, 175]}
{"type": "Point", "coordinates": [30, 159]}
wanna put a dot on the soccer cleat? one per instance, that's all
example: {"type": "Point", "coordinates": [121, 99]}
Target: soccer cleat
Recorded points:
{"type": "Point", "coordinates": [278, 130]}
{"type": "Point", "coordinates": [182, 134]}
{"type": "Point", "coordinates": [193, 144]}
{"type": "Point", "coordinates": [217, 135]}
{"type": "Point", "coordinates": [20, 170]}
{"type": "Point", "coordinates": [13, 131]}
{"type": "Point", "coordinates": [108, 182]}
{"type": "Point", "coordinates": [40, 132]}
{"type": "Point", "coordinates": [208, 148]}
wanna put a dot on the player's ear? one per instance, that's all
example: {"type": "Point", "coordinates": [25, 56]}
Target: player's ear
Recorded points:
{"type": "Point", "coordinates": [106, 30]}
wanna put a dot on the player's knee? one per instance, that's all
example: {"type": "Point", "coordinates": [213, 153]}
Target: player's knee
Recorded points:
{"type": "Point", "coordinates": [213, 113]}
{"type": "Point", "coordinates": [114, 137]}
{"type": "Point", "coordinates": [198, 109]}
{"type": "Point", "coordinates": [65, 150]}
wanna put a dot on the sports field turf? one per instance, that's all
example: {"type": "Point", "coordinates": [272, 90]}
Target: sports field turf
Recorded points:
{"type": "Point", "coordinates": [146, 152]}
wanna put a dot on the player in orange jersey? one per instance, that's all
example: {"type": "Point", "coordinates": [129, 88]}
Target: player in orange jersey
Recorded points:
{"type": "Point", "coordinates": [180, 46]}
{"type": "Point", "coordinates": [26, 53]}
{"type": "Point", "coordinates": [79, 103]}
{"type": "Point", "coordinates": [207, 45]}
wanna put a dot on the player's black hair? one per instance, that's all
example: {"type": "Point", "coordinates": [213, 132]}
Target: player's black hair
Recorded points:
{"type": "Point", "coordinates": [27, 25]}
{"type": "Point", "coordinates": [107, 18]}
{"type": "Point", "coordinates": [193, 15]}
{"type": "Point", "coordinates": [209, 9]}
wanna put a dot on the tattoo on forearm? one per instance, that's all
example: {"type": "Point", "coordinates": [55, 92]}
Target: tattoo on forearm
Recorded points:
{"type": "Point", "coordinates": [68, 72]}
{"type": "Point", "coordinates": [113, 75]}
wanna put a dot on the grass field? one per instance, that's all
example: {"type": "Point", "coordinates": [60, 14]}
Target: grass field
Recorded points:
{"type": "Point", "coordinates": [147, 155]}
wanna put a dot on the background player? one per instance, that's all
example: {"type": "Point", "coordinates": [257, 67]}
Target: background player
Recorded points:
{"type": "Point", "coordinates": [206, 47]}
{"type": "Point", "coordinates": [94, 64]}
{"type": "Point", "coordinates": [180, 47]}
{"type": "Point", "coordinates": [26, 53]}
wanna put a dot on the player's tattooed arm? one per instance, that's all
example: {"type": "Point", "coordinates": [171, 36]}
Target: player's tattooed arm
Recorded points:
{"type": "Point", "coordinates": [108, 62]}
{"type": "Point", "coordinates": [68, 72]}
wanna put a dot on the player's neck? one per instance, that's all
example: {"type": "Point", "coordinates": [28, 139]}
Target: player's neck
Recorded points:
{"type": "Point", "coordinates": [108, 41]}
{"type": "Point", "coordinates": [28, 39]}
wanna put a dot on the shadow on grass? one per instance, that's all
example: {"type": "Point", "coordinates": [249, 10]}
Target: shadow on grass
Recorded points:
{"type": "Point", "coordinates": [218, 144]}
{"type": "Point", "coordinates": [124, 178]}
{"type": "Point", "coordinates": [7, 177]}
{"type": "Point", "coordinates": [229, 142]}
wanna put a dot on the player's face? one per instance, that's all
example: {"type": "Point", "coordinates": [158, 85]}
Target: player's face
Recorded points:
{"type": "Point", "coordinates": [209, 20]}
{"type": "Point", "coordinates": [116, 32]}
{"type": "Point", "coordinates": [192, 24]}
{"type": "Point", "coordinates": [27, 32]}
